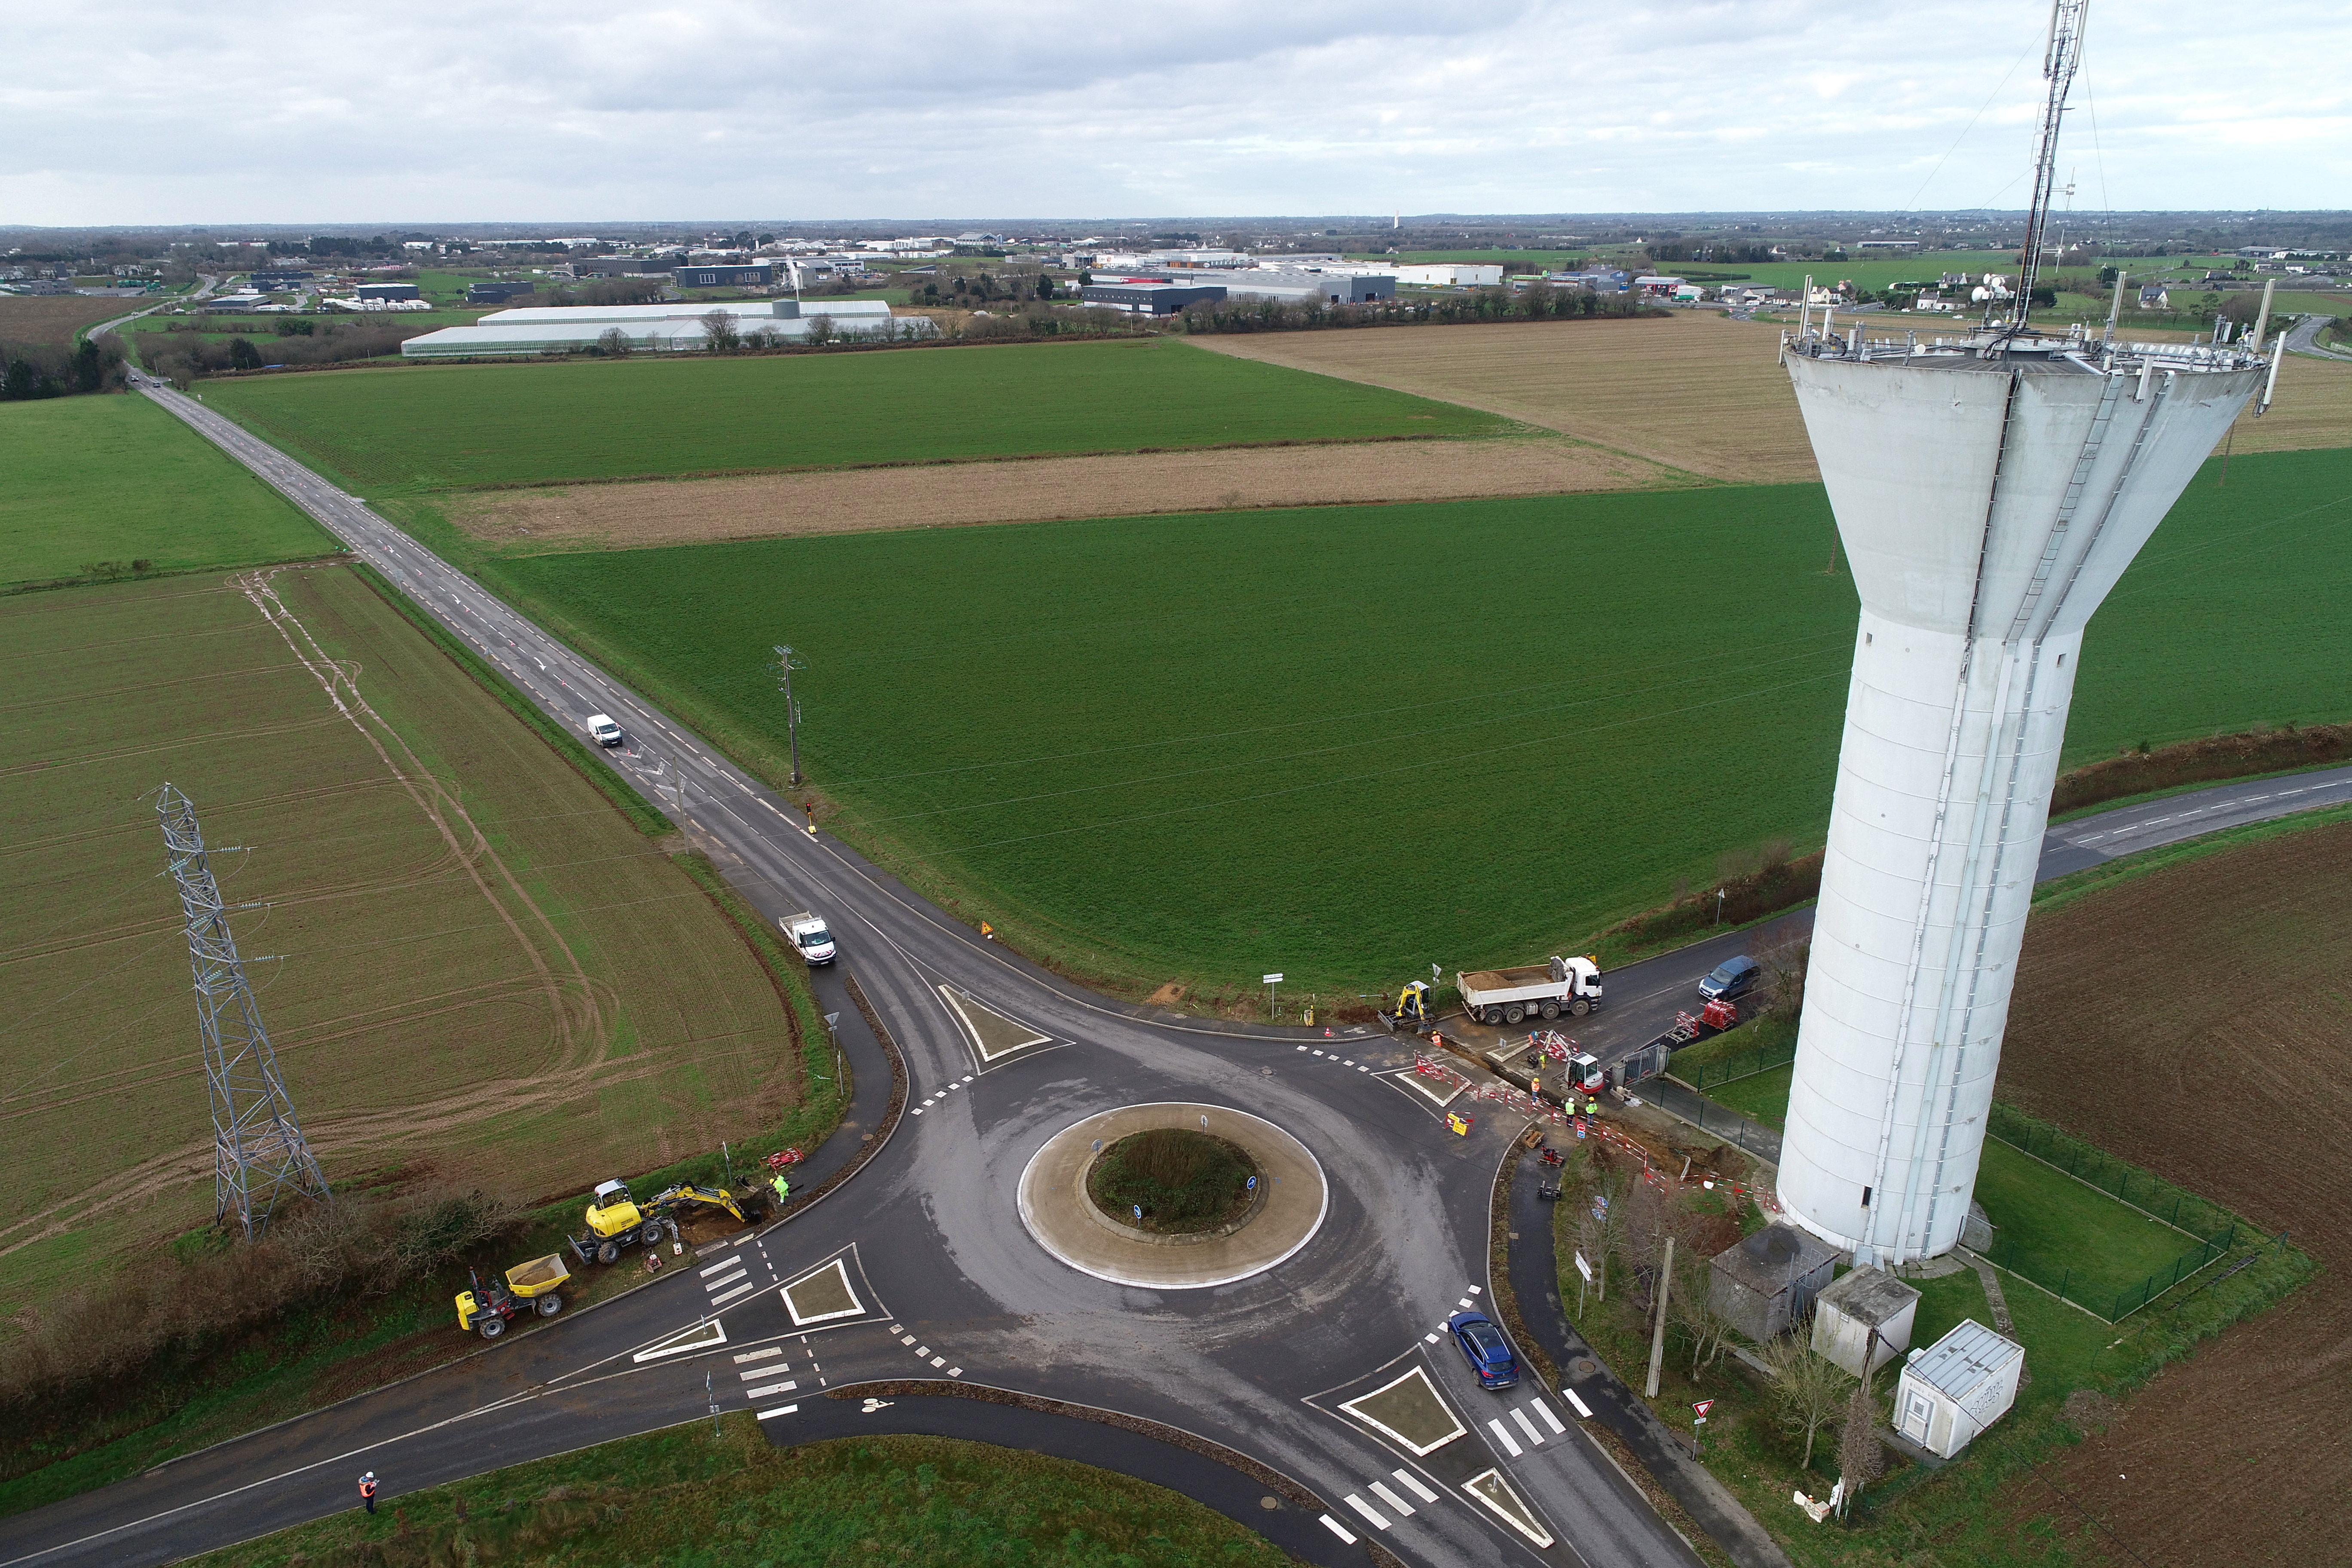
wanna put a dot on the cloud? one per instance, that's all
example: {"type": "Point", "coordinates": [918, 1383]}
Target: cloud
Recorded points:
{"type": "Point", "coordinates": [737, 108]}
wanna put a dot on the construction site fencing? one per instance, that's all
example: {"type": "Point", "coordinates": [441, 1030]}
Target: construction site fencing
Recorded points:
{"type": "Point", "coordinates": [2209, 1230]}
{"type": "Point", "coordinates": [1704, 1076]}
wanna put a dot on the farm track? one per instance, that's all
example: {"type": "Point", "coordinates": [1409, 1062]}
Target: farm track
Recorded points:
{"type": "Point", "coordinates": [2241, 1088]}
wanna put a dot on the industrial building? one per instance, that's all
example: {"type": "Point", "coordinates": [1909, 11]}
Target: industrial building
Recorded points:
{"type": "Point", "coordinates": [1767, 1281]}
{"type": "Point", "coordinates": [727, 274]}
{"type": "Point", "coordinates": [387, 291]}
{"type": "Point", "coordinates": [675, 327]}
{"type": "Point", "coordinates": [1150, 296]}
{"type": "Point", "coordinates": [1864, 1320]}
{"type": "Point", "coordinates": [1450, 274]}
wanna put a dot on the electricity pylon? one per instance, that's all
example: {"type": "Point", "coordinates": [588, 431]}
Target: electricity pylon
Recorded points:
{"type": "Point", "coordinates": [259, 1154]}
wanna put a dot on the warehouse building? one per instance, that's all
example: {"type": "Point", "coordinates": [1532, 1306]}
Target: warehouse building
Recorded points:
{"type": "Point", "coordinates": [1149, 295]}
{"type": "Point", "coordinates": [386, 291]}
{"type": "Point", "coordinates": [675, 327]}
{"type": "Point", "coordinates": [727, 274]}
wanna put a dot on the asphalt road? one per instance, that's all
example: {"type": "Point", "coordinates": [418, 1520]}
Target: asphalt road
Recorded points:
{"type": "Point", "coordinates": [946, 1283]}
{"type": "Point", "coordinates": [928, 1237]}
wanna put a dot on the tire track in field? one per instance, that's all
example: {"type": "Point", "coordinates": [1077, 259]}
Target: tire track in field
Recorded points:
{"type": "Point", "coordinates": [445, 812]}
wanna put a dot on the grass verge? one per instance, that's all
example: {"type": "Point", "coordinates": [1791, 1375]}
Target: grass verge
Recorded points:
{"type": "Point", "coordinates": [690, 1496]}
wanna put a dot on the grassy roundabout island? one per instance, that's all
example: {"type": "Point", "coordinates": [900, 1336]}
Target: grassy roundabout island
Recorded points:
{"type": "Point", "coordinates": [1182, 1181]}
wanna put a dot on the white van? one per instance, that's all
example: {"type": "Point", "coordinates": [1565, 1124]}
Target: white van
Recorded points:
{"type": "Point", "coordinates": [604, 730]}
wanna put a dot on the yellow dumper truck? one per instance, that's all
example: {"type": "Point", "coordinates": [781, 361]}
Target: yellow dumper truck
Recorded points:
{"type": "Point", "coordinates": [530, 1288]}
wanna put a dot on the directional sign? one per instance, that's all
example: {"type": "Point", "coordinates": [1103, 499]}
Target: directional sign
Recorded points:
{"type": "Point", "coordinates": [1583, 1267]}
{"type": "Point", "coordinates": [1274, 979]}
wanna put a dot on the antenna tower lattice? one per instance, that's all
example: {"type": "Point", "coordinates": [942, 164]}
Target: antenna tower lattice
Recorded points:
{"type": "Point", "coordinates": [2065, 52]}
{"type": "Point", "coordinates": [259, 1156]}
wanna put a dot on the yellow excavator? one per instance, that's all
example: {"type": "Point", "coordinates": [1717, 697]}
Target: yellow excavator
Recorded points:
{"type": "Point", "coordinates": [1412, 1010]}
{"type": "Point", "coordinates": [616, 1220]}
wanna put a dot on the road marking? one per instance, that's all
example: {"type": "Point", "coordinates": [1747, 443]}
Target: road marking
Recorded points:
{"type": "Point", "coordinates": [785, 1387]}
{"type": "Point", "coordinates": [921, 1350]}
{"type": "Point", "coordinates": [723, 1263]}
{"type": "Point", "coordinates": [1477, 1290]}
{"type": "Point", "coordinates": [1415, 1485]}
{"type": "Point", "coordinates": [739, 1290]}
{"type": "Point", "coordinates": [955, 1371]}
{"type": "Point", "coordinates": [906, 1339]}
{"type": "Point", "coordinates": [1576, 1405]}
{"type": "Point", "coordinates": [1510, 1444]}
{"type": "Point", "coordinates": [1336, 1528]}
{"type": "Point", "coordinates": [939, 1361]}
{"type": "Point", "coordinates": [771, 1415]}
{"type": "Point", "coordinates": [1403, 1509]}
{"type": "Point", "coordinates": [1371, 1515]}
{"type": "Point", "coordinates": [758, 1355]}
{"type": "Point", "coordinates": [1430, 1338]}
{"type": "Point", "coordinates": [716, 1285]}
{"type": "Point", "coordinates": [1464, 1304]}
{"type": "Point", "coordinates": [1549, 1419]}
{"type": "Point", "coordinates": [700, 1337]}
{"type": "Point", "coordinates": [1534, 1436]}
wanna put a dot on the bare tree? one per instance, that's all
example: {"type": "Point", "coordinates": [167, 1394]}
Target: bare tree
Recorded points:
{"type": "Point", "coordinates": [1807, 1389]}
{"type": "Point", "coordinates": [1785, 964]}
{"type": "Point", "coordinates": [820, 330]}
{"type": "Point", "coordinates": [1600, 1228]}
{"type": "Point", "coordinates": [1861, 1460]}
{"type": "Point", "coordinates": [613, 343]}
{"type": "Point", "coordinates": [719, 334]}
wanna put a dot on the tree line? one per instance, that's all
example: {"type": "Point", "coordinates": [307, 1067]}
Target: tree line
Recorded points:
{"type": "Point", "coordinates": [1538, 302]}
{"type": "Point", "coordinates": [51, 370]}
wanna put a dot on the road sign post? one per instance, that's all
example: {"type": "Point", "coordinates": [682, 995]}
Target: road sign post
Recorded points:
{"type": "Point", "coordinates": [1585, 1270]}
{"type": "Point", "coordinates": [1272, 981]}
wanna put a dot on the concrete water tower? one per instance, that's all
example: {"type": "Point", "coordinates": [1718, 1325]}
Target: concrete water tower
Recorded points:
{"type": "Point", "coordinates": [1990, 490]}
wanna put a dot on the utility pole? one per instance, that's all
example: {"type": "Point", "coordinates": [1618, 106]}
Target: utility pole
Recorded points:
{"type": "Point", "coordinates": [1658, 1334]}
{"type": "Point", "coordinates": [784, 667]}
{"type": "Point", "coordinates": [258, 1151]}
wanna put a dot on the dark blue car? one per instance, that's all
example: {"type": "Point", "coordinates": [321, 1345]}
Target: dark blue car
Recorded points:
{"type": "Point", "coordinates": [1488, 1351]}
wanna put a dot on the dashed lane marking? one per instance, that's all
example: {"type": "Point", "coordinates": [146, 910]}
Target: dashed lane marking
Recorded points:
{"type": "Point", "coordinates": [1503, 1435]}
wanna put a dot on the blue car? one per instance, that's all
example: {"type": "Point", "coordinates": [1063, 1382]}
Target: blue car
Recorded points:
{"type": "Point", "coordinates": [1488, 1351]}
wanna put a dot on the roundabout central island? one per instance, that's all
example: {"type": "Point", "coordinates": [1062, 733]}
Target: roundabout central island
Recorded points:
{"type": "Point", "coordinates": [1281, 1216]}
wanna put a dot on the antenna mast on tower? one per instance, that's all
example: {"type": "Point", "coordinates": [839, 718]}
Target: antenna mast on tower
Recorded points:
{"type": "Point", "coordinates": [259, 1154]}
{"type": "Point", "coordinates": [2065, 52]}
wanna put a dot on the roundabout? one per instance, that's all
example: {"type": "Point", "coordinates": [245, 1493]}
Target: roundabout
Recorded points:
{"type": "Point", "coordinates": [1265, 1224]}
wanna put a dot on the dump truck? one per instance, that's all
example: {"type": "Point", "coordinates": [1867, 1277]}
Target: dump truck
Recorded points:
{"type": "Point", "coordinates": [530, 1288]}
{"type": "Point", "coordinates": [616, 1220]}
{"type": "Point", "coordinates": [1498, 997]}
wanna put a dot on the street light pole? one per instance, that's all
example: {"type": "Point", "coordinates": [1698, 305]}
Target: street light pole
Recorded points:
{"type": "Point", "coordinates": [785, 666]}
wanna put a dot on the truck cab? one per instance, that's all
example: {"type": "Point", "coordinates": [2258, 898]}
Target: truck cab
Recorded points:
{"type": "Point", "coordinates": [810, 937]}
{"type": "Point", "coordinates": [603, 730]}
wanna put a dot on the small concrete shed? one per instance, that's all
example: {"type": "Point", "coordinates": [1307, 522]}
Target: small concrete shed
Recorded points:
{"type": "Point", "coordinates": [1866, 1313]}
{"type": "Point", "coordinates": [1767, 1281]}
{"type": "Point", "coordinates": [1956, 1387]}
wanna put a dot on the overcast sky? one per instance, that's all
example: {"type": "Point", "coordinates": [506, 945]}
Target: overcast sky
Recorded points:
{"type": "Point", "coordinates": [141, 111]}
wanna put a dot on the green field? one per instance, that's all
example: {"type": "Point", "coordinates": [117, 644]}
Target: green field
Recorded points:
{"type": "Point", "coordinates": [1329, 741]}
{"type": "Point", "coordinates": [687, 1498]}
{"type": "Point", "coordinates": [440, 426]}
{"type": "Point", "coordinates": [90, 479]}
{"type": "Point", "coordinates": [472, 967]}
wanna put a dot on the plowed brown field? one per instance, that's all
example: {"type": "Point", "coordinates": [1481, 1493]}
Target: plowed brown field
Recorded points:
{"type": "Point", "coordinates": [467, 957]}
{"type": "Point", "coordinates": [1694, 390]}
{"type": "Point", "coordinates": [682, 512]}
{"type": "Point", "coordinates": [2193, 1020]}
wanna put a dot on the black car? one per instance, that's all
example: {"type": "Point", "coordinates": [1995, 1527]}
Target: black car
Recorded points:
{"type": "Point", "coordinates": [1731, 979]}
{"type": "Point", "coordinates": [1488, 1353]}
